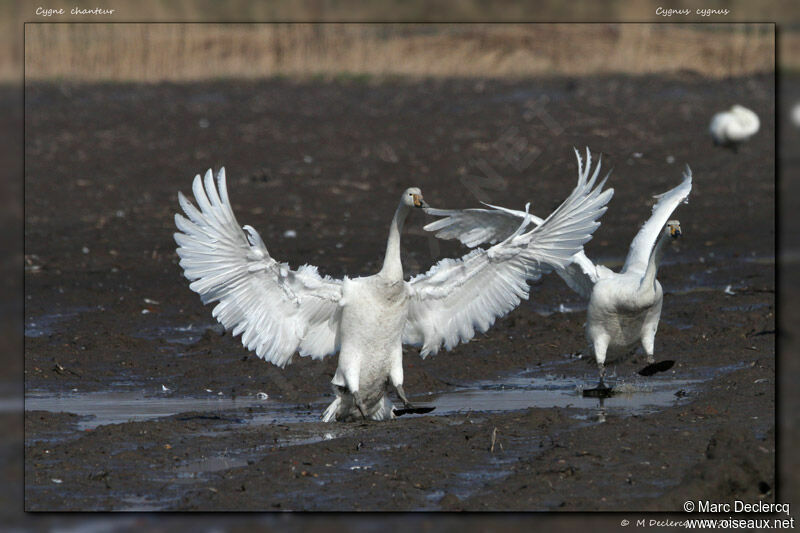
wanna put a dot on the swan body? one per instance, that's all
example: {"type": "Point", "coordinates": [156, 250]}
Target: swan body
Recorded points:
{"type": "Point", "coordinates": [735, 126]}
{"type": "Point", "coordinates": [625, 307]}
{"type": "Point", "coordinates": [280, 311]}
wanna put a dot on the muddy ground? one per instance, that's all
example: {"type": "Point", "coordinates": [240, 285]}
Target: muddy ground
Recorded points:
{"type": "Point", "coordinates": [107, 310]}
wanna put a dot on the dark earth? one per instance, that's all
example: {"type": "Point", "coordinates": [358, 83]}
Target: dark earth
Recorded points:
{"type": "Point", "coordinates": [108, 311]}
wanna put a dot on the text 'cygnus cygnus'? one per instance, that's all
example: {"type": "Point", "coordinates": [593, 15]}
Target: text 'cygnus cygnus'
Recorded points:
{"type": "Point", "coordinates": [280, 311]}
{"type": "Point", "coordinates": [625, 307]}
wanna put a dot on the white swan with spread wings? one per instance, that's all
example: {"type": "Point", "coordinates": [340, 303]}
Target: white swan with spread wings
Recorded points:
{"type": "Point", "coordinates": [625, 307]}
{"type": "Point", "coordinates": [280, 311]}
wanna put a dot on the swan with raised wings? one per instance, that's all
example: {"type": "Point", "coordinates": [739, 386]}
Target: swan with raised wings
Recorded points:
{"type": "Point", "coordinates": [733, 127]}
{"type": "Point", "coordinates": [625, 307]}
{"type": "Point", "coordinates": [280, 311]}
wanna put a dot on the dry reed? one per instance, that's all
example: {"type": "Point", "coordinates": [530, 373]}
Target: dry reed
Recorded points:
{"type": "Point", "coordinates": [185, 52]}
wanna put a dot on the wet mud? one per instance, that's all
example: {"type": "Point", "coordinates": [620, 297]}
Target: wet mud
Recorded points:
{"type": "Point", "coordinates": [135, 401]}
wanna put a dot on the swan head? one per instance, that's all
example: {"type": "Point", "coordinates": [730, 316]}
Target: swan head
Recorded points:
{"type": "Point", "coordinates": [674, 229]}
{"type": "Point", "coordinates": [412, 197]}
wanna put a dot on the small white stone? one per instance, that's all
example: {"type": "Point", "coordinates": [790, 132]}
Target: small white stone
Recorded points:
{"type": "Point", "coordinates": [290, 234]}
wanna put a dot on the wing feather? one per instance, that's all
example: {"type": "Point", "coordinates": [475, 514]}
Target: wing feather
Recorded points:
{"type": "Point", "coordinates": [458, 297]}
{"type": "Point", "coordinates": [642, 244]}
{"type": "Point", "coordinates": [474, 227]}
{"type": "Point", "coordinates": [278, 311]}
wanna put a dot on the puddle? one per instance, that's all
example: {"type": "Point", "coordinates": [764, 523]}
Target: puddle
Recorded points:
{"type": "Point", "coordinates": [761, 260]}
{"type": "Point", "coordinates": [635, 395]}
{"type": "Point", "coordinates": [45, 324]}
{"type": "Point", "coordinates": [140, 503]}
{"type": "Point", "coordinates": [100, 408]}
{"type": "Point", "coordinates": [175, 334]}
{"type": "Point", "coordinates": [745, 308]}
{"type": "Point", "coordinates": [192, 469]}
{"type": "Point", "coordinates": [523, 392]}
{"type": "Point", "coordinates": [678, 324]}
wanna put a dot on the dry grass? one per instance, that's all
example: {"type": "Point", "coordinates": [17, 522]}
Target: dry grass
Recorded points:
{"type": "Point", "coordinates": [179, 52]}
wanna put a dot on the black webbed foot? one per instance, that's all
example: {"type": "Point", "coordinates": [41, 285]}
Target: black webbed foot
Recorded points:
{"type": "Point", "coordinates": [653, 368]}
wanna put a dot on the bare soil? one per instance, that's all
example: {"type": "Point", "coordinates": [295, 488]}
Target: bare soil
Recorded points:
{"type": "Point", "coordinates": [105, 297]}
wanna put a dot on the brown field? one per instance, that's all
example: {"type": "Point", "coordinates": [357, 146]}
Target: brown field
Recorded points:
{"type": "Point", "coordinates": [188, 52]}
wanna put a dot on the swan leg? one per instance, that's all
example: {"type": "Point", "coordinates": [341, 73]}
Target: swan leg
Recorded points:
{"type": "Point", "coordinates": [648, 342]}
{"type": "Point", "coordinates": [359, 404]}
{"type": "Point", "coordinates": [600, 345]}
{"type": "Point", "coordinates": [402, 395]}
{"type": "Point", "coordinates": [602, 373]}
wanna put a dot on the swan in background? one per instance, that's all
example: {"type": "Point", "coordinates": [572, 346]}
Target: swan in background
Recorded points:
{"type": "Point", "coordinates": [280, 311]}
{"type": "Point", "coordinates": [625, 307]}
{"type": "Point", "coordinates": [796, 115]}
{"type": "Point", "coordinates": [732, 127]}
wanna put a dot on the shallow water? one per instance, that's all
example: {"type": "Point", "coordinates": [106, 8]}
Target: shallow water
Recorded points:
{"type": "Point", "coordinates": [635, 395]}
{"type": "Point", "coordinates": [115, 407]}
{"type": "Point", "coordinates": [46, 324]}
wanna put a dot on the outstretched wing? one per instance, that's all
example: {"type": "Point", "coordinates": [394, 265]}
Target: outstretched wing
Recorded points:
{"type": "Point", "coordinates": [277, 310]}
{"type": "Point", "coordinates": [474, 227]}
{"type": "Point", "coordinates": [643, 243]}
{"type": "Point", "coordinates": [459, 296]}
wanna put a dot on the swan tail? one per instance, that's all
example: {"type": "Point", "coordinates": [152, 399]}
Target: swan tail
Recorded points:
{"type": "Point", "coordinates": [330, 413]}
{"type": "Point", "coordinates": [385, 411]}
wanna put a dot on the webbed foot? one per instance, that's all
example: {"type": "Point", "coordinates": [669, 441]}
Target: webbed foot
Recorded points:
{"type": "Point", "coordinates": [653, 368]}
{"type": "Point", "coordinates": [408, 407]}
{"type": "Point", "coordinates": [601, 391]}
{"type": "Point", "coordinates": [413, 410]}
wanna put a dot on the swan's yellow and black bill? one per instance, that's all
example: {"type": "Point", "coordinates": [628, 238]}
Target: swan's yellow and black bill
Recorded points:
{"type": "Point", "coordinates": [418, 201]}
{"type": "Point", "coordinates": [674, 229]}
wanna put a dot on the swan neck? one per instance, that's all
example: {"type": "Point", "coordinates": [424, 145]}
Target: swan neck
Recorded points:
{"type": "Point", "coordinates": [655, 260]}
{"type": "Point", "coordinates": [392, 265]}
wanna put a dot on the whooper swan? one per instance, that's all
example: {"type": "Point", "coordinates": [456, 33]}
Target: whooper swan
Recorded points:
{"type": "Point", "coordinates": [625, 307]}
{"type": "Point", "coordinates": [733, 127]}
{"type": "Point", "coordinates": [280, 311]}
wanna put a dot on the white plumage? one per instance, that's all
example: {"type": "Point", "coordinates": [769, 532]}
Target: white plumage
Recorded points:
{"type": "Point", "coordinates": [735, 126]}
{"type": "Point", "coordinates": [280, 311]}
{"type": "Point", "coordinates": [625, 307]}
